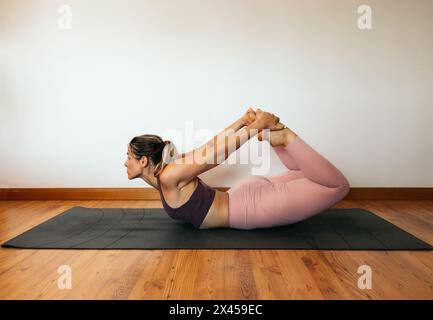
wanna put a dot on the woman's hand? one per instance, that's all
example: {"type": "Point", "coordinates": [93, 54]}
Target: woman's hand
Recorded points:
{"type": "Point", "coordinates": [249, 117]}
{"type": "Point", "coordinates": [267, 120]}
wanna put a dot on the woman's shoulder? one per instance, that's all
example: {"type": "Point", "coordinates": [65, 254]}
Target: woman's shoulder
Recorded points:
{"type": "Point", "coordinates": [169, 180]}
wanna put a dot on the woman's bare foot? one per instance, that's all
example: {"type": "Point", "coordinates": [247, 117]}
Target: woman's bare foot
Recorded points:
{"type": "Point", "coordinates": [277, 137]}
{"type": "Point", "coordinates": [278, 126]}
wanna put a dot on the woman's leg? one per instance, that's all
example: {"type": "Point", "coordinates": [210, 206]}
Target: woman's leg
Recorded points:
{"type": "Point", "coordinates": [313, 165]}
{"type": "Point", "coordinates": [262, 203]}
{"type": "Point", "coordinates": [240, 199]}
{"type": "Point", "coordinates": [286, 176]}
{"type": "Point", "coordinates": [286, 158]}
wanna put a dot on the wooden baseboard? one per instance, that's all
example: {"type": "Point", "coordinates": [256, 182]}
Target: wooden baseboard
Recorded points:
{"type": "Point", "coordinates": [79, 194]}
{"type": "Point", "coordinates": [153, 194]}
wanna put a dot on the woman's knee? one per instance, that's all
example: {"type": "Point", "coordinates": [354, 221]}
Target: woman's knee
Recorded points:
{"type": "Point", "coordinates": [343, 189]}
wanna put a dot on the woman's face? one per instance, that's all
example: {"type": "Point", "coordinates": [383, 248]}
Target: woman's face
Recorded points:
{"type": "Point", "coordinates": [133, 166]}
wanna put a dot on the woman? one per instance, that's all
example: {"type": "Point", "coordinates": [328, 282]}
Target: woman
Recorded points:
{"type": "Point", "coordinates": [311, 185]}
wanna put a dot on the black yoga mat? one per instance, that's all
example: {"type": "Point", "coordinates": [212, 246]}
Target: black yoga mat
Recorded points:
{"type": "Point", "coordinates": [151, 228]}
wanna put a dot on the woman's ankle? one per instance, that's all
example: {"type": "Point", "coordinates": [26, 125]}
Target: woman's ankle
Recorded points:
{"type": "Point", "coordinates": [290, 136]}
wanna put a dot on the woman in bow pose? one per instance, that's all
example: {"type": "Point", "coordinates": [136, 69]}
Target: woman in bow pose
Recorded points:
{"type": "Point", "coordinates": [310, 185]}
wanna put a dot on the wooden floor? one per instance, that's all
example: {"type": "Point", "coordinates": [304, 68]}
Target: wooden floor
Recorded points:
{"type": "Point", "coordinates": [214, 274]}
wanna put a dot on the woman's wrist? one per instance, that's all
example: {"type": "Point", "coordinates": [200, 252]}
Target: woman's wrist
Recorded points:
{"type": "Point", "coordinates": [241, 122]}
{"type": "Point", "coordinates": [253, 128]}
{"type": "Point", "coordinates": [257, 125]}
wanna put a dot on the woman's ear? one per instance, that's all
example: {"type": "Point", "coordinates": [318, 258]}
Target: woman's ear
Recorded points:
{"type": "Point", "coordinates": [144, 161]}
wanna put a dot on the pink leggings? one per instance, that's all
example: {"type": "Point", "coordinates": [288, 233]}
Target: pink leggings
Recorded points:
{"type": "Point", "coordinates": [311, 186]}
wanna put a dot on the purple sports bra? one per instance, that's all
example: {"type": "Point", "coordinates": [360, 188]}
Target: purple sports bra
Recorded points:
{"type": "Point", "coordinates": [196, 208]}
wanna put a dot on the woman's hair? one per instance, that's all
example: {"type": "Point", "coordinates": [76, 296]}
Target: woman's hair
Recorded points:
{"type": "Point", "coordinates": [152, 146]}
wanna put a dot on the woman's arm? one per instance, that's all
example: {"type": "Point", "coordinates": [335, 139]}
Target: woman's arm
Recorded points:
{"type": "Point", "coordinates": [224, 145]}
{"type": "Point", "coordinates": [227, 144]}
{"type": "Point", "coordinates": [212, 153]}
{"type": "Point", "coordinates": [218, 149]}
{"type": "Point", "coordinates": [231, 129]}
{"type": "Point", "coordinates": [230, 139]}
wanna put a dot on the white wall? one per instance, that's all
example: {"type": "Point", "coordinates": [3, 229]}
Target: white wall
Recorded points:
{"type": "Point", "coordinates": [70, 100]}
